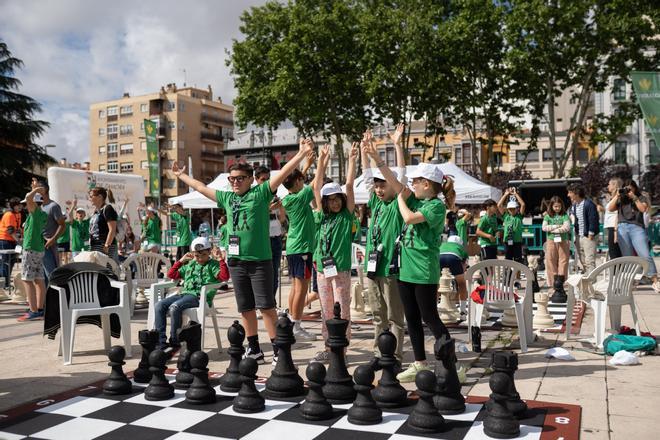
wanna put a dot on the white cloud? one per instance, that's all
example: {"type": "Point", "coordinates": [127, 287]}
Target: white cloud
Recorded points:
{"type": "Point", "coordinates": [77, 52]}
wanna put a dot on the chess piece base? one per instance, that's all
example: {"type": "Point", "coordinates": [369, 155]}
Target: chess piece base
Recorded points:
{"type": "Point", "coordinates": [509, 318]}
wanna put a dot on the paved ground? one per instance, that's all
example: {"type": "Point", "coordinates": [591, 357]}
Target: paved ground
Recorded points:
{"type": "Point", "coordinates": [617, 402]}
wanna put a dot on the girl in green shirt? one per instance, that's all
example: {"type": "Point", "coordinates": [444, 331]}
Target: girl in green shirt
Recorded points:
{"type": "Point", "coordinates": [152, 234]}
{"type": "Point", "coordinates": [79, 229]}
{"type": "Point", "coordinates": [332, 256]}
{"type": "Point", "coordinates": [557, 225]}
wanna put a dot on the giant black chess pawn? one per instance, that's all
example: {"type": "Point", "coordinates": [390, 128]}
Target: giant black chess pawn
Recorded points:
{"type": "Point", "coordinates": [148, 340]}
{"type": "Point", "coordinates": [448, 398]}
{"type": "Point", "coordinates": [249, 400]}
{"type": "Point", "coordinates": [507, 362]}
{"type": "Point", "coordinates": [425, 417]}
{"type": "Point", "coordinates": [284, 381]}
{"type": "Point", "coordinates": [200, 391]}
{"type": "Point", "coordinates": [338, 383]}
{"type": "Point", "coordinates": [500, 421]}
{"type": "Point", "coordinates": [117, 383]}
{"type": "Point", "coordinates": [159, 387]}
{"type": "Point", "coordinates": [183, 376]}
{"type": "Point", "coordinates": [364, 411]}
{"type": "Point", "coordinates": [388, 393]}
{"type": "Point", "coordinates": [316, 406]}
{"type": "Point", "coordinates": [231, 381]}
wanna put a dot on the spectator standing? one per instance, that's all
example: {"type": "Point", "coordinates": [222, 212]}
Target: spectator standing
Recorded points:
{"type": "Point", "coordinates": [584, 216]}
{"type": "Point", "coordinates": [557, 226]}
{"type": "Point", "coordinates": [55, 227]}
{"type": "Point", "coordinates": [611, 220]}
{"type": "Point", "coordinates": [10, 236]}
{"type": "Point", "coordinates": [79, 229]}
{"type": "Point", "coordinates": [487, 231]}
{"type": "Point", "coordinates": [152, 232]}
{"type": "Point", "coordinates": [184, 236]}
{"type": "Point", "coordinates": [103, 224]}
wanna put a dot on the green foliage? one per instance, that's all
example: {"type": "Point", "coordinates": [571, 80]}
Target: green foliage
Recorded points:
{"type": "Point", "coordinates": [18, 131]}
{"type": "Point", "coordinates": [501, 179]}
{"type": "Point", "coordinates": [650, 182]}
{"type": "Point", "coordinates": [597, 173]}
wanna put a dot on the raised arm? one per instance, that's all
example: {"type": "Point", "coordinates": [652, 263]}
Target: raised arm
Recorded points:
{"type": "Point", "coordinates": [306, 145]}
{"type": "Point", "coordinates": [501, 207]}
{"type": "Point", "coordinates": [29, 198]}
{"type": "Point", "coordinates": [409, 217]}
{"type": "Point", "coordinates": [521, 202]}
{"type": "Point", "coordinates": [72, 211]}
{"type": "Point", "coordinates": [317, 184]}
{"type": "Point", "coordinates": [400, 156]}
{"type": "Point", "coordinates": [350, 176]}
{"type": "Point", "coordinates": [122, 210]}
{"type": "Point", "coordinates": [195, 184]}
{"type": "Point", "coordinates": [389, 176]}
{"type": "Point", "coordinates": [308, 163]}
{"type": "Point", "coordinates": [367, 175]}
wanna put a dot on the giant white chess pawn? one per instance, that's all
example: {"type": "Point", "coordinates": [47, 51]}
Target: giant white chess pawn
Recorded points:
{"type": "Point", "coordinates": [447, 307]}
{"type": "Point", "coordinates": [542, 319]}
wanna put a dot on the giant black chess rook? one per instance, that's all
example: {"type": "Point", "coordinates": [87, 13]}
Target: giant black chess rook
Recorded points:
{"type": "Point", "coordinates": [338, 383]}
{"type": "Point", "coordinates": [284, 380]}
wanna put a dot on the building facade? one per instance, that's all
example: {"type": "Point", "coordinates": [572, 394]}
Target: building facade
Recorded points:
{"type": "Point", "coordinates": [193, 128]}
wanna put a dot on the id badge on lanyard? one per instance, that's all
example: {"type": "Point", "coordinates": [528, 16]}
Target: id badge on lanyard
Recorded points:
{"type": "Point", "coordinates": [557, 238]}
{"type": "Point", "coordinates": [329, 267]}
{"type": "Point", "coordinates": [234, 247]}
{"type": "Point", "coordinates": [509, 242]}
{"type": "Point", "coordinates": [372, 262]}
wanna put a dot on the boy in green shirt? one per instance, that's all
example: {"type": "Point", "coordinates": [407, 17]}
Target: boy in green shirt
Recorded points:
{"type": "Point", "coordinates": [454, 257]}
{"type": "Point", "coordinates": [463, 225]}
{"type": "Point", "coordinates": [512, 217]}
{"type": "Point", "coordinates": [152, 234]}
{"type": "Point", "coordinates": [487, 231]}
{"type": "Point", "coordinates": [79, 229]}
{"type": "Point", "coordinates": [182, 220]}
{"type": "Point", "coordinates": [32, 272]}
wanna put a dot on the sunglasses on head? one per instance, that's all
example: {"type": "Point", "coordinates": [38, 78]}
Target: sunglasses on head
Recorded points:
{"type": "Point", "coordinates": [238, 179]}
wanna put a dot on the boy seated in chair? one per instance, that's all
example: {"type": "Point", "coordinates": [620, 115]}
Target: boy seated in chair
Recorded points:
{"type": "Point", "coordinates": [197, 269]}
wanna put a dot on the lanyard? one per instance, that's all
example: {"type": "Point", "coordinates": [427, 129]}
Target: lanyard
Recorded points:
{"type": "Point", "coordinates": [236, 212]}
{"type": "Point", "coordinates": [326, 230]}
{"type": "Point", "coordinates": [376, 231]}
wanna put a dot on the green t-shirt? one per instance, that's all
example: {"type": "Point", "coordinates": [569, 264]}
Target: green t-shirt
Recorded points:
{"type": "Point", "coordinates": [488, 224]}
{"type": "Point", "coordinates": [79, 235]}
{"type": "Point", "coordinates": [557, 220]}
{"type": "Point", "coordinates": [35, 223]}
{"type": "Point", "coordinates": [513, 227]}
{"type": "Point", "coordinates": [462, 230]}
{"type": "Point", "coordinates": [384, 228]}
{"type": "Point", "coordinates": [195, 276]}
{"type": "Point", "coordinates": [182, 229]}
{"type": "Point", "coordinates": [152, 230]}
{"type": "Point", "coordinates": [335, 239]}
{"type": "Point", "coordinates": [300, 236]}
{"type": "Point", "coordinates": [64, 238]}
{"type": "Point", "coordinates": [249, 218]}
{"type": "Point", "coordinates": [454, 249]}
{"type": "Point", "coordinates": [421, 243]}
{"type": "Point", "coordinates": [222, 235]}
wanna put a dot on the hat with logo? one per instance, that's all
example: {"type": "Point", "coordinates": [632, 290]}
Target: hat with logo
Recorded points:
{"type": "Point", "coordinates": [200, 244]}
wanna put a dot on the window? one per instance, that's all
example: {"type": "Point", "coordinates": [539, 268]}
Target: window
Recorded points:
{"type": "Point", "coordinates": [144, 108]}
{"type": "Point", "coordinates": [532, 156]}
{"type": "Point", "coordinates": [143, 146]}
{"type": "Point", "coordinates": [126, 167]}
{"type": "Point", "coordinates": [582, 155]}
{"type": "Point", "coordinates": [101, 131]}
{"type": "Point", "coordinates": [498, 159]}
{"type": "Point", "coordinates": [182, 107]}
{"type": "Point", "coordinates": [126, 148]}
{"type": "Point", "coordinates": [181, 145]}
{"type": "Point", "coordinates": [112, 150]}
{"type": "Point", "coordinates": [172, 125]}
{"type": "Point", "coordinates": [101, 149]}
{"type": "Point", "coordinates": [170, 106]}
{"type": "Point", "coordinates": [141, 127]}
{"type": "Point", "coordinates": [170, 145]}
{"type": "Point", "coordinates": [112, 111]}
{"type": "Point", "coordinates": [458, 157]}
{"type": "Point", "coordinates": [126, 110]}
{"type": "Point", "coordinates": [144, 164]}
{"type": "Point", "coordinates": [182, 125]}
{"type": "Point", "coordinates": [125, 130]}
{"type": "Point", "coordinates": [467, 153]}
{"type": "Point", "coordinates": [112, 128]}
{"type": "Point", "coordinates": [113, 167]}
{"type": "Point", "coordinates": [101, 167]}
{"type": "Point", "coordinates": [620, 152]}
{"type": "Point", "coordinates": [415, 159]}
{"type": "Point", "coordinates": [547, 154]}
{"type": "Point", "coordinates": [619, 89]}
{"type": "Point", "coordinates": [170, 183]}
{"type": "Point", "coordinates": [101, 114]}
{"type": "Point", "coordinates": [391, 158]}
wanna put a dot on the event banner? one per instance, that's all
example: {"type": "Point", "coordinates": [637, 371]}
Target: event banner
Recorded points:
{"type": "Point", "coordinates": [151, 132]}
{"type": "Point", "coordinates": [647, 89]}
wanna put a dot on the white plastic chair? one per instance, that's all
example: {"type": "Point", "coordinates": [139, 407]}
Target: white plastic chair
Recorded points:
{"type": "Point", "coordinates": [146, 273]}
{"type": "Point", "coordinates": [618, 277]}
{"type": "Point", "coordinates": [98, 258]}
{"type": "Point", "coordinates": [499, 277]}
{"type": "Point", "coordinates": [84, 301]}
{"type": "Point", "coordinates": [159, 291]}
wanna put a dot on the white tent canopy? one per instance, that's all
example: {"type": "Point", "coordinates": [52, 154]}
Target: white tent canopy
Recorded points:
{"type": "Point", "coordinates": [468, 189]}
{"type": "Point", "coordinates": [196, 200]}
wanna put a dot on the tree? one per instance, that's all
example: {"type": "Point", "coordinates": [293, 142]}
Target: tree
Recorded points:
{"type": "Point", "coordinates": [18, 131]}
{"type": "Point", "coordinates": [597, 173]}
{"type": "Point", "coordinates": [301, 62]}
{"type": "Point", "coordinates": [650, 182]}
{"type": "Point", "coordinates": [500, 179]}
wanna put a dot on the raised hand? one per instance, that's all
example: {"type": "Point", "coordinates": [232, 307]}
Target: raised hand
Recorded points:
{"type": "Point", "coordinates": [355, 150]}
{"type": "Point", "coordinates": [306, 146]}
{"type": "Point", "coordinates": [405, 193]}
{"type": "Point", "coordinates": [324, 152]}
{"type": "Point", "coordinates": [176, 170]}
{"type": "Point", "coordinates": [215, 253]}
{"type": "Point", "coordinates": [396, 135]}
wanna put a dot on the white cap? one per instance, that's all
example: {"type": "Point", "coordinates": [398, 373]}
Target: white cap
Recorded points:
{"type": "Point", "coordinates": [483, 213]}
{"type": "Point", "coordinates": [152, 209]}
{"type": "Point", "coordinates": [461, 212]}
{"type": "Point", "coordinates": [37, 199]}
{"type": "Point", "coordinates": [428, 171]}
{"type": "Point", "coordinates": [330, 189]}
{"type": "Point", "coordinates": [455, 239]}
{"type": "Point", "coordinates": [200, 244]}
{"type": "Point", "coordinates": [512, 205]}
{"type": "Point", "coordinates": [378, 175]}
{"type": "Point", "coordinates": [80, 210]}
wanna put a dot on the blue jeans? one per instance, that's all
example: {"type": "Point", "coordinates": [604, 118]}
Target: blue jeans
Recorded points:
{"type": "Point", "coordinates": [6, 262]}
{"type": "Point", "coordinates": [50, 261]}
{"type": "Point", "coordinates": [276, 252]}
{"type": "Point", "coordinates": [634, 237]}
{"type": "Point", "coordinates": [175, 304]}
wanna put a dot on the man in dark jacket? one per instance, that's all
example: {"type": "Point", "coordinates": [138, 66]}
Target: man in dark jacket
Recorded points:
{"type": "Point", "coordinates": [584, 216]}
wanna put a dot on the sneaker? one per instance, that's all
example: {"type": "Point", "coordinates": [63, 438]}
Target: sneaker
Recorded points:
{"type": "Point", "coordinates": [30, 316]}
{"type": "Point", "coordinates": [462, 374]}
{"type": "Point", "coordinates": [303, 335]}
{"type": "Point", "coordinates": [274, 362]}
{"type": "Point", "coordinates": [409, 375]}
{"type": "Point", "coordinates": [322, 356]}
{"type": "Point", "coordinates": [256, 355]}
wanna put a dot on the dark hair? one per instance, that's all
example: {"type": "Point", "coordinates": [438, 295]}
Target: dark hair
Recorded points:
{"type": "Point", "coordinates": [490, 202]}
{"type": "Point", "coordinates": [292, 178]}
{"type": "Point", "coordinates": [576, 189]}
{"type": "Point", "coordinates": [631, 183]}
{"type": "Point", "coordinates": [105, 193]}
{"type": "Point", "coordinates": [43, 183]}
{"type": "Point", "coordinates": [245, 167]}
{"type": "Point", "coordinates": [553, 200]}
{"type": "Point", "coordinates": [14, 201]}
{"type": "Point", "coordinates": [258, 171]}
{"type": "Point", "coordinates": [325, 202]}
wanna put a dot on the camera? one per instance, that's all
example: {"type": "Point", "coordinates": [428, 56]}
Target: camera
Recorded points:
{"type": "Point", "coordinates": [624, 191]}
{"type": "Point", "coordinates": [273, 216]}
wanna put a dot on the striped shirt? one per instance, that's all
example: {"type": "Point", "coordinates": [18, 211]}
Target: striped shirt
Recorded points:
{"type": "Point", "coordinates": [579, 217]}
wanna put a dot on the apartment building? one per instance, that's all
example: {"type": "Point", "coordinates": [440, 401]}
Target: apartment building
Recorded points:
{"type": "Point", "coordinates": [193, 128]}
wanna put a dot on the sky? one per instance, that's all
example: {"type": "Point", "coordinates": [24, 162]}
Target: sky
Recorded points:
{"type": "Point", "coordinates": [77, 52]}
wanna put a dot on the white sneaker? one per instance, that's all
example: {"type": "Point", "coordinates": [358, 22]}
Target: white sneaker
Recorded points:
{"type": "Point", "coordinates": [410, 373]}
{"type": "Point", "coordinates": [257, 356]}
{"type": "Point", "coordinates": [303, 335]}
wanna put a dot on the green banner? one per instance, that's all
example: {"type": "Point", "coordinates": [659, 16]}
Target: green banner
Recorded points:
{"type": "Point", "coordinates": [647, 89]}
{"type": "Point", "coordinates": [151, 133]}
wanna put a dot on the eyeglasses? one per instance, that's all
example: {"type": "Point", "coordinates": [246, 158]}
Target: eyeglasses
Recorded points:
{"type": "Point", "coordinates": [238, 179]}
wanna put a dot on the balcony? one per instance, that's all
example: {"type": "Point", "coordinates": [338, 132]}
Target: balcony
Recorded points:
{"type": "Point", "coordinates": [124, 114]}
{"type": "Point", "coordinates": [216, 120]}
{"type": "Point", "coordinates": [112, 135]}
{"type": "Point", "coordinates": [208, 136]}
{"type": "Point", "coordinates": [112, 154]}
{"type": "Point", "coordinates": [209, 155]}
{"type": "Point", "coordinates": [110, 118]}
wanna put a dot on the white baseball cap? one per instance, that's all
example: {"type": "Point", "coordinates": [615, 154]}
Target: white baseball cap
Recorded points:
{"type": "Point", "coordinates": [80, 210]}
{"type": "Point", "coordinates": [455, 239]}
{"type": "Point", "coordinates": [378, 175]}
{"type": "Point", "coordinates": [461, 212]}
{"type": "Point", "coordinates": [330, 189]}
{"type": "Point", "coordinates": [512, 205]}
{"type": "Point", "coordinates": [200, 244]}
{"type": "Point", "coordinates": [428, 171]}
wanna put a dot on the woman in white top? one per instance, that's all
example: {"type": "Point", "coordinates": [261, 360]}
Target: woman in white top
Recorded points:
{"type": "Point", "coordinates": [611, 219]}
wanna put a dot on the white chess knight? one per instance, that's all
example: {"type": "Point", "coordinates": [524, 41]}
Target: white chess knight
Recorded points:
{"type": "Point", "coordinates": [447, 307]}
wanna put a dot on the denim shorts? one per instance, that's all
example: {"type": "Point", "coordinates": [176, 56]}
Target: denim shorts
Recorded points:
{"type": "Point", "coordinates": [253, 284]}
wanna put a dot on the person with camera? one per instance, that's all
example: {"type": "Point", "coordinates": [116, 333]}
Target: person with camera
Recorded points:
{"type": "Point", "coordinates": [631, 205]}
{"type": "Point", "coordinates": [512, 216]}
